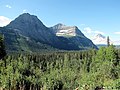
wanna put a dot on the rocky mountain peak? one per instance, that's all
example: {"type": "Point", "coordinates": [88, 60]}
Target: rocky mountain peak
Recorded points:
{"type": "Point", "coordinates": [25, 20]}
{"type": "Point", "coordinates": [26, 17]}
{"type": "Point", "coordinates": [63, 30]}
{"type": "Point", "coordinates": [100, 36]}
{"type": "Point", "coordinates": [99, 39]}
{"type": "Point", "coordinates": [30, 26]}
{"type": "Point", "coordinates": [59, 24]}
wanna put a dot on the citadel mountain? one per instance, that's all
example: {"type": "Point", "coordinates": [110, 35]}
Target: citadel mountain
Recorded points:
{"type": "Point", "coordinates": [28, 33]}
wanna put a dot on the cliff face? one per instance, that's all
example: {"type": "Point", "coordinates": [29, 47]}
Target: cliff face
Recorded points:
{"type": "Point", "coordinates": [63, 30]}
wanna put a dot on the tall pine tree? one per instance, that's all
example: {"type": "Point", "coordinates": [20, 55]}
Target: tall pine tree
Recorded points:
{"type": "Point", "coordinates": [108, 41]}
{"type": "Point", "coordinates": [2, 47]}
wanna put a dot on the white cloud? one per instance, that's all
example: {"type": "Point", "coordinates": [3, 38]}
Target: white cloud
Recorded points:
{"type": "Point", "coordinates": [8, 6]}
{"type": "Point", "coordinates": [88, 30]}
{"type": "Point", "coordinates": [24, 11]}
{"type": "Point", "coordinates": [4, 21]}
{"type": "Point", "coordinates": [117, 32]}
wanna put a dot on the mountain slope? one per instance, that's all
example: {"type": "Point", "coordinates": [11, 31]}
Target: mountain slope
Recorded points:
{"type": "Point", "coordinates": [99, 39]}
{"type": "Point", "coordinates": [63, 30]}
{"type": "Point", "coordinates": [73, 35]}
{"type": "Point", "coordinates": [30, 26]}
{"type": "Point", "coordinates": [28, 33]}
{"type": "Point", "coordinates": [14, 41]}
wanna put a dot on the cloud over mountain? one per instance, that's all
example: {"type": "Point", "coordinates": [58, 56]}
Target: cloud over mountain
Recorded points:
{"type": "Point", "coordinates": [4, 21]}
{"type": "Point", "coordinates": [90, 31]}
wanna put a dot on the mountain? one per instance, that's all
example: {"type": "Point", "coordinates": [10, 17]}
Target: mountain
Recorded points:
{"type": "Point", "coordinates": [63, 30]}
{"type": "Point", "coordinates": [30, 26]}
{"type": "Point", "coordinates": [99, 39]}
{"type": "Point", "coordinates": [28, 33]}
{"type": "Point", "coordinates": [73, 35]}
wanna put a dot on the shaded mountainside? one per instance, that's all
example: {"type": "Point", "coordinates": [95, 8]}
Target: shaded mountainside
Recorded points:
{"type": "Point", "coordinates": [17, 42]}
{"type": "Point", "coordinates": [28, 33]}
{"type": "Point", "coordinates": [73, 35]}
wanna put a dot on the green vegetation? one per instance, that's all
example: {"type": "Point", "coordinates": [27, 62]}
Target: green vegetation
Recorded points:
{"type": "Point", "coordinates": [2, 47]}
{"type": "Point", "coordinates": [84, 70]}
{"type": "Point", "coordinates": [108, 41]}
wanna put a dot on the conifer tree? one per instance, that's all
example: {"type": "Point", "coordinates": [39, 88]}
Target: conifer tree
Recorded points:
{"type": "Point", "coordinates": [108, 41]}
{"type": "Point", "coordinates": [2, 47]}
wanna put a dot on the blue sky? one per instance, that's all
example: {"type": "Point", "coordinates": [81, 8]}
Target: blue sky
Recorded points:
{"type": "Point", "coordinates": [91, 16]}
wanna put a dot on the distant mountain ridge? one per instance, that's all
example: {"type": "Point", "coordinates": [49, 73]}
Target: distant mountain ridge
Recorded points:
{"type": "Point", "coordinates": [100, 39]}
{"type": "Point", "coordinates": [28, 33]}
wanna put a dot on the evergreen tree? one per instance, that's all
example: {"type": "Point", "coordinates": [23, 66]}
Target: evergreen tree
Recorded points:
{"type": "Point", "coordinates": [84, 70]}
{"type": "Point", "coordinates": [108, 41]}
{"type": "Point", "coordinates": [2, 47]}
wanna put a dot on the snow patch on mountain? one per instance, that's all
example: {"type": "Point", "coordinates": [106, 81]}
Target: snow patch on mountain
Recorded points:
{"type": "Point", "coordinates": [100, 39]}
{"type": "Point", "coordinates": [63, 30]}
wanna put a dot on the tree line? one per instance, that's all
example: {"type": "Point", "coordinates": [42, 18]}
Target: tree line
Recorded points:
{"type": "Point", "coordinates": [82, 70]}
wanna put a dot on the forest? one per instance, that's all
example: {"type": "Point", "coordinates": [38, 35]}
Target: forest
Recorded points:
{"type": "Point", "coordinates": [63, 70]}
